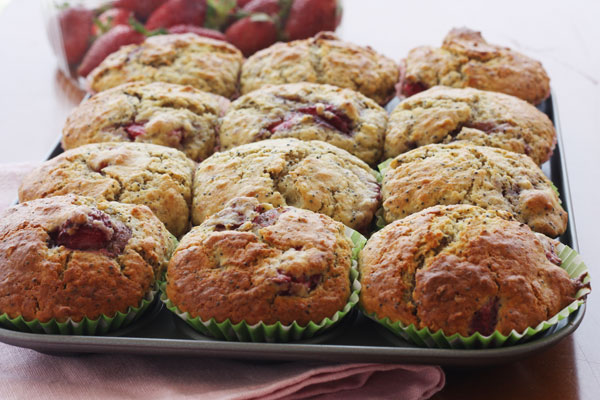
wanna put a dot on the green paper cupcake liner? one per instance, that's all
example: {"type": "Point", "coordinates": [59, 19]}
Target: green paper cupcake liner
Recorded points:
{"type": "Point", "coordinates": [379, 220]}
{"type": "Point", "coordinates": [86, 326]}
{"type": "Point", "coordinates": [571, 262]}
{"type": "Point", "coordinates": [556, 191]}
{"type": "Point", "coordinates": [278, 332]}
{"type": "Point", "coordinates": [382, 167]}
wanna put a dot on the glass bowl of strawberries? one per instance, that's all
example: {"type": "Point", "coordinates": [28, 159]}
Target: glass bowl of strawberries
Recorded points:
{"type": "Point", "coordinates": [82, 33]}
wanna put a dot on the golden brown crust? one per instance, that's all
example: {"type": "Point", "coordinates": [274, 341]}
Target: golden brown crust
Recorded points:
{"type": "Point", "coordinates": [43, 275]}
{"type": "Point", "coordinates": [322, 59]}
{"type": "Point", "coordinates": [313, 175]}
{"type": "Point", "coordinates": [307, 111]}
{"type": "Point", "coordinates": [461, 173]}
{"type": "Point", "coordinates": [443, 114]}
{"type": "Point", "coordinates": [252, 263]}
{"type": "Point", "coordinates": [133, 173]}
{"type": "Point", "coordinates": [463, 269]}
{"type": "Point", "coordinates": [161, 113]}
{"type": "Point", "coordinates": [186, 59]}
{"type": "Point", "coordinates": [467, 60]}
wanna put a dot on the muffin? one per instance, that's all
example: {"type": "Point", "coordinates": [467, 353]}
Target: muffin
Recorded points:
{"type": "Point", "coordinates": [70, 257]}
{"type": "Point", "coordinates": [442, 115]}
{"type": "Point", "coordinates": [133, 173]}
{"type": "Point", "coordinates": [461, 173]}
{"type": "Point", "coordinates": [161, 113]}
{"type": "Point", "coordinates": [322, 59]}
{"type": "Point", "coordinates": [312, 175]}
{"type": "Point", "coordinates": [467, 60]}
{"type": "Point", "coordinates": [307, 111]}
{"type": "Point", "coordinates": [462, 269]}
{"type": "Point", "coordinates": [255, 263]}
{"type": "Point", "coordinates": [186, 59]}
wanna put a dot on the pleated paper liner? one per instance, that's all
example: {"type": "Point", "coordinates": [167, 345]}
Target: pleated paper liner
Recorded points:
{"type": "Point", "coordinates": [571, 262]}
{"type": "Point", "coordinates": [277, 332]}
{"type": "Point", "coordinates": [86, 326]}
{"type": "Point", "coordinates": [379, 220]}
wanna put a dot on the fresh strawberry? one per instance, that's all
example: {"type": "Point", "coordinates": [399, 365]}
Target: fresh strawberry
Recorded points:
{"type": "Point", "coordinates": [209, 33]}
{"type": "Point", "coordinates": [309, 17]}
{"type": "Point", "coordinates": [76, 27]}
{"type": "Point", "coordinates": [251, 34]}
{"type": "Point", "coordinates": [142, 8]}
{"type": "Point", "coordinates": [242, 3]}
{"type": "Point", "coordinates": [110, 18]}
{"type": "Point", "coordinates": [108, 43]}
{"type": "Point", "coordinates": [131, 5]}
{"type": "Point", "coordinates": [177, 12]}
{"type": "Point", "coordinates": [269, 7]}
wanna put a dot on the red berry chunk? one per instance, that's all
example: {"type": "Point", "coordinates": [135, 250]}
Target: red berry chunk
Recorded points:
{"type": "Point", "coordinates": [98, 233]}
{"type": "Point", "coordinates": [330, 117]}
{"type": "Point", "coordinates": [134, 130]}
{"type": "Point", "coordinates": [410, 88]}
{"type": "Point", "coordinates": [267, 218]}
{"type": "Point", "coordinates": [295, 286]}
{"type": "Point", "coordinates": [485, 319]}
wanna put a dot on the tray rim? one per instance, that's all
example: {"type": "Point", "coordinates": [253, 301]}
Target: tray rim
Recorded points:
{"type": "Point", "coordinates": [322, 351]}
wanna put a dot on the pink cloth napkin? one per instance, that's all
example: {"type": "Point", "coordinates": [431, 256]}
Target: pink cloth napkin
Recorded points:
{"type": "Point", "coordinates": [25, 373]}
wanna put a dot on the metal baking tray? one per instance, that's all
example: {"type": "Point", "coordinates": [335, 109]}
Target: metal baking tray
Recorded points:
{"type": "Point", "coordinates": [356, 339]}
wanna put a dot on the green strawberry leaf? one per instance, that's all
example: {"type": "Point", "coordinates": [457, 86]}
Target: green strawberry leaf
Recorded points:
{"type": "Point", "coordinates": [102, 28]}
{"type": "Point", "coordinates": [139, 27]}
{"type": "Point", "coordinates": [218, 12]}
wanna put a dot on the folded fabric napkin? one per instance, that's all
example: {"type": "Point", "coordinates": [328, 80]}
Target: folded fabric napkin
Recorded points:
{"type": "Point", "coordinates": [25, 373]}
{"type": "Point", "coordinates": [10, 178]}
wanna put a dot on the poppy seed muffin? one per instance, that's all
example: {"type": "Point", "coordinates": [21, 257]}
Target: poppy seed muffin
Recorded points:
{"type": "Point", "coordinates": [467, 60]}
{"type": "Point", "coordinates": [186, 59]}
{"type": "Point", "coordinates": [312, 175]}
{"type": "Point", "coordinates": [442, 115]}
{"type": "Point", "coordinates": [71, 257]}
{"type": "Point", "coordinates": [252, 262]}
{"type": "Point", "coordinates": [322, 59]}
{"type": "Point", "coordinates": [463, 269]}
{"type": "Point", "coordinates": [307, 111]}
{"type": "Point", "coordinates": [161, 113]}
{"type": "Point", "coordinates": [461, 173]}
{"type": "Point", "coordinates": [134, 173]}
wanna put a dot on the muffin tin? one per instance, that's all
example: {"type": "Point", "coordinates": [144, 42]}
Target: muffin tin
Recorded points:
{"type": "Point", "coordinates": [356, 339]}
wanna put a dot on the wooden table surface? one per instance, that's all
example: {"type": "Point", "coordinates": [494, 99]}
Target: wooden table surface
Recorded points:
{"type": "Point", "coordinates": [35, 100]}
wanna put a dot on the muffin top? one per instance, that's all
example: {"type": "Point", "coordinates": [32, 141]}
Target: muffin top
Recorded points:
{"type": "Point", "coordinates": [134, 173]}
{"type": "Point", "coordinates": [308, 111]}
{"type": "Point", "coordinates": [312, 175]}
{"type": "Point", "coordinates": [467, 60]}
{"type": "Point", "coordinates": [252, 262]}
{"type": "Point", "coordinates": [71, 257]}
{"type": "Point", "coordinates": [322, 59]}
{"type": "Point", "coordinates": [461, 173]}
{"type": "Point", "coordinates": [187, 59]}
{"type": "Point", "coordinates": [443, 114]}
{"type": "Point", "coordinates": [463, 269]}
{"type": "Point", "coordinates": [161, 113]}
